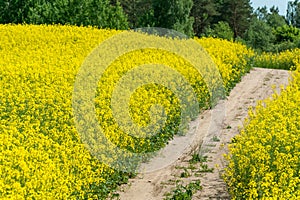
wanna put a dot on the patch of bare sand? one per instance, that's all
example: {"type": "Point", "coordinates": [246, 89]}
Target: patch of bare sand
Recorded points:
{"type": "Point", "coordinates": [214, 130]}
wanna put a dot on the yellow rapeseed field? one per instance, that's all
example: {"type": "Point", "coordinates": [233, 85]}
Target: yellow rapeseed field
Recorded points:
{"type": "Point", "coordinates": [42, 155]}
{"type": "Point", "coordinates": [231, 58]}
{"type": "Point", "coordinates": [283, 60]}
{"type": "Point", "coordinates": [264, 159]}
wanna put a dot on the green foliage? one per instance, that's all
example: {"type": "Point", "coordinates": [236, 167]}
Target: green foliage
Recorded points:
{"type": "Point", "coordinates": [14, 11]}
{"type": "Point", "coordinates": [173, 14]}
{"type": "Point", "coordinates": [196, 157]}
{"type": "Point", "coordinates": [274, 19]}
{"type": "Point", "coordinates": [286, 34]}
{"type": "Point", "coordinates": [139, 12]}
{"type": "Point", "coordinates": [269, 32]}
{"type": "Point", "coordinates": [204, 13]}
{"type": "Point", "coordinates": [182, 192]}
{"type": "Point", "coordinates": [271, 17]}
{"type": "Point", "coordinates": [116, 18]}
{"type": "Point", "coordinates": [283, 46]}
{"type": "Point", "coordinates": [220, 30]}
{"type": "Point", "coordinates": [262, 13]}
{"type": "Point", "coordinates": [147, 19]}
{"type": "Point", "coordinates": [259, 35]}
{"type": "Point", "coordinates": [185, 174]}
{"type": "Point", "coordinates": [238, 14]}
{"type": "Point", "coordinates": [98, 13]}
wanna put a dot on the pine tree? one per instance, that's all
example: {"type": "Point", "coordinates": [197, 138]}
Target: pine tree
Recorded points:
{"type": "Point", "coordinates": [204, 13]}
{"type": "Point", "coordinates": [238, 14]}
{"type": "Point", "coordinates": [136, 11]}
{"type": "Point", "coordinates": [274, 19]}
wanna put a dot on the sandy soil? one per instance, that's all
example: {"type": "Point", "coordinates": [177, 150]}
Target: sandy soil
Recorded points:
{"type": "Point", "coordinates": [210, 133]}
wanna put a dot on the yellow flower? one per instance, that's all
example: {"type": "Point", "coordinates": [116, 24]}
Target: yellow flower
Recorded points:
{"type": "Point", "coordinates": [42, 155]}
{"type": "Point", "coordinates": [265, 158]}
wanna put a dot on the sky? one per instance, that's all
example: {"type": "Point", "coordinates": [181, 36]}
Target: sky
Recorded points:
{"type": "Point", "coordinates": [281, 4]}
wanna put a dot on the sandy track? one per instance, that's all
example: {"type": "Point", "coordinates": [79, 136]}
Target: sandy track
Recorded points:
{"type": "Point", "coordinates": [223, 123]}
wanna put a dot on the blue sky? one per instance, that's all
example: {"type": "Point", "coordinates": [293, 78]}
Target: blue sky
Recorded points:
{"type": "Point", "coordinates": [281, 4]}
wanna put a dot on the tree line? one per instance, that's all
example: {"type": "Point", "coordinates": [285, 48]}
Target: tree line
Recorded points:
{"type": "Point", "coordinates": [263, 29]}
{"type": "Point", "coordinates": [98, 13]}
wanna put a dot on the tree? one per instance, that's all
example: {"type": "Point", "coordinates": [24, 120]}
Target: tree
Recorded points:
{"type": "Point", "coordinates": [259, 35]}
{"type": "Point", "coordinates": [15, 11]}
{"type": "Point", "coordinates": [117, 18]}
{"type": "Point", "coordinates": [219, 4]}
{"type": "Point", "coordinates": [147, 18]}
{"type": "Point", "coordinates": [137, 11]}
{"type": "Point", "coordinates": [293, 13]}
{"type": "Point", "coordinates": [220, 30]}
{"type": "Point", "coordinates": [272, 18]}
{"type": "Point", "coordinates": [203, 12]}
{"type": "Point", "coordinates": [98, 13]}
{"type": "Point", "coordinates": [262, 13]}
{"type": "Point", "coordinates": [238, 14]}
{"type": "Point", "coordinates": [287, 34]}
{"type": "Point", "coordinates": [173, 14]}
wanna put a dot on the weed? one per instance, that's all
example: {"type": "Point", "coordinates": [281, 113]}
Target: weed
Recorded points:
{"type": "Point", "coordinates": [182, 192]}
{"type": "Point", "coordinates": [216, 139]}
{"type": "Point", "coordinates": [196, 157]}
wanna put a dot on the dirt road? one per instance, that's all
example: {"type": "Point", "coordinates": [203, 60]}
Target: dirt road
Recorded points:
{"type": "Point", "coordinates": [214, 130]}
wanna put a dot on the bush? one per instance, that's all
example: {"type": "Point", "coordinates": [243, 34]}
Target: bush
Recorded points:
{"type": "Point", "coordinates": [286, 33]}
{"type": "Point", "coordinates": [220, 30]}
